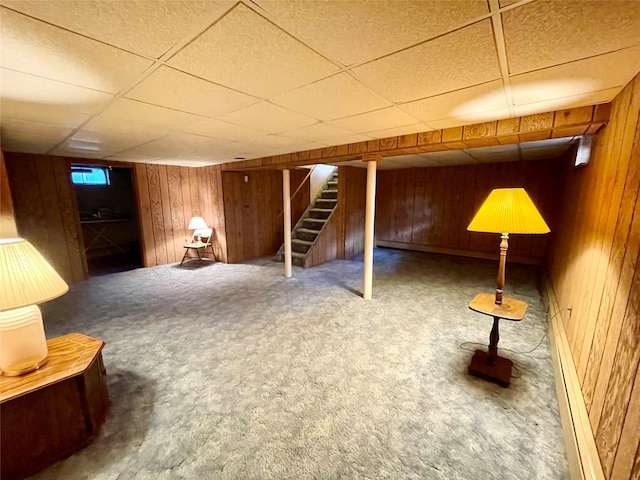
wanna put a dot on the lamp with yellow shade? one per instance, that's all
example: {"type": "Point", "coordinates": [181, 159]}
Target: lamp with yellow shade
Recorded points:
{"type": "Point", "coordinates": [27, 280]}
{"type": "Point", "coordinates": [505, 211]}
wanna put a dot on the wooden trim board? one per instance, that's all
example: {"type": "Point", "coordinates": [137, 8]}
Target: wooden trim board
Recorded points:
{"type": "Point", "coordinates": [582, 455]}
{"type": "Point", "coordinates": [459, 253]}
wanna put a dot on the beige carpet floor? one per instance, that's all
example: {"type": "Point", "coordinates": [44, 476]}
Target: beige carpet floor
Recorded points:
{"type": "Point", "coordinates": [233, 372]}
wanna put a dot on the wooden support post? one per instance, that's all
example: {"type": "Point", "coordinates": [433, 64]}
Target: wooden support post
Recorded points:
{"type": "Point", "coordinates": [368, 228]}
{"type": "Point", "coordinates": [286, 201]}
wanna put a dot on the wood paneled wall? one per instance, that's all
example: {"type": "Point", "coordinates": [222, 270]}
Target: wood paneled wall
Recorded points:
{"type": "Point", "coordinates": [253, 211]}
{"type": "Point", "coordinates": [431, 207]}
{"type": "Point", "coordinates": [45, 210]}
{"type": "Point", "coordinates": [168, 196]}
{"type": "Point", "coordinates": [593, 266]}
{"type": "Point", "coordinates": [7, 217]}
{"type": "Point", "coordinates": [352, 190]}
{"type": "Point", "coordinates": [343, 237]}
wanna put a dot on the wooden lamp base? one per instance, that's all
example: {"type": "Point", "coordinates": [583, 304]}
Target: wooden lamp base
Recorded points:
{"type": "Point", "coordinates": [496, 369]}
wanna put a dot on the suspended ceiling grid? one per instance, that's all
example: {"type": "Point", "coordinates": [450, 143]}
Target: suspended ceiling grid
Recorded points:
{"type": "Point", "coordinates": [204, 82]}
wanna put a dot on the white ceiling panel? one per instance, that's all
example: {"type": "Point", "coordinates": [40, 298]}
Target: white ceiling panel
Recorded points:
{"type": "Point", "coordinates": [571, 30]}
{"type": "Point", "coordinates": [170, 88]}
{"type": "Point", "coordinates": [38, 91]}
{"type": "Point", "coordinates": [353, 32]}
{"type": "Point", "coordinates": [124, 110]}
{"type": "Point", "coordinates": [585, 76]}
{"type": "Point", "coordinates": [468, 101]}
{"type": "Point", "coordinates": [497, 153]}
{"type": "Point", "coordinates": [334, 97]}
{"type": "Point", "coordinates": [153, 150]}
{"type": "Point", "coordinates": [37, 48]}
{"type": "Point", "coordinates": [394, 132]}
{"type": "Point", "coordinates": [592, 98]}
{"type": "Point", "coordinates": [327, 135]}
{"type": "Point", "coordinates": [457, 60]}
{"type": "Point", "coordinates": [222, 130]}
{"type": "Point", "coordinates": [249, 53]}
{"type": "Point", "coordinates": [29, 137]}
{"type": "Point", "coordinates": [145, 27]}
{"type": "Point", "coordinates": [380, 119]}
{"type": "Point", "coordinates": [268, 118]}
{"type": "Point", "coordinates": [470, 119]}
{"type": "Point", "coordinates": [262, 77]}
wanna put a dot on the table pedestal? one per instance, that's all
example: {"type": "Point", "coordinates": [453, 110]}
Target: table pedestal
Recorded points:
{"type": "Point", "coordinates": [489, 365]}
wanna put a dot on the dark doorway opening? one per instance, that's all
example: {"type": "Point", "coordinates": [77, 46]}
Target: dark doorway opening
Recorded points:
{"type": "Point", "coordinates": [108, 218]}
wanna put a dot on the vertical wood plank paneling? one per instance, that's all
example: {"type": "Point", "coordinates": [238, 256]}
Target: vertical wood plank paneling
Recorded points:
{"type": "Point", "coordinates": [593, 265]}
{"type": "Point", "coordinates": [177, 221]}
{"type": "Point", "coordinates": [149, 258]}
{"type": "Point", "coordinates": [70, 218]}
{"type": "Point", "coordinates": [45, 211]}
{"type": "Point", "coordinates": [186, 196]}
{"type": "Point", "coordinates": [442, 200]}
{"type": "Point", "coordinates": [218, 221]}
{"type": "Point", "coordinates": [167, 221]}
{"type": "Point", "coordinates": [355, 185]}
{"type": "Point", "coordinates": [52, 217]}
{"type": "Point", "coordinates": [157, 216]}
{"type": "Point", "coordinates": [253, 211]}
{"type": "Point", "coordinates": [7, 216]}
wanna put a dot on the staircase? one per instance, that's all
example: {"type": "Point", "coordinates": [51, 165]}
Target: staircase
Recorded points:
{"type": "Point", "coordinates": [313, 221]}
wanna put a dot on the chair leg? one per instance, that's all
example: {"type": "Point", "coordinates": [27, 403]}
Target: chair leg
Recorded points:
{"type": "Point", "coordinates": [186, 251]}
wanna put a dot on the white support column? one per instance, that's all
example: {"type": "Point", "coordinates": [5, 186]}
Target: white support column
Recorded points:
{"type": "Point", "coordinates": [286, 208]}
{"type": "Point", "coordinates": [369, 218]}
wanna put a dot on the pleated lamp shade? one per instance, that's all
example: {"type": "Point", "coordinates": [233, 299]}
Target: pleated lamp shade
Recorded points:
{"type": "Point", "coordinates": [27, 278]}
{"type": "Point", "coordinates": [197, 223]}
{"type": "Point", "coordinates": [508, 210]}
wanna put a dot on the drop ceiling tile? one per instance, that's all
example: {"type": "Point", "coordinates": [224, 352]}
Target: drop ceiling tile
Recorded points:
{"type": "Point", "coordinates": [23, 88]}
{"type": "Point", "coordinates": [585, 76]}
{"type": "Point", "coordinates": [394, 132]}
{"type": "Point", "coordinates": [327, 135]}
{"type": "Point", "coordinates": [468, 101]}
{"type": "Point", "coordinates": [282, 144]}
{"type": "Point", "coordinates": [144, 27]}
{"type": "Point", "coordinates": [471, 119]}
{"type": "Point", "coordinates": [29, 137]}
{"type": "Point", "coordinates": [551, 145]}
{"type": "Point", "coordinates": [40, 100]}
{"type": "Point", "coordinates": [222, 130]}
{"type": "Point", "coordinates": [124, 111]}
{"type": "Point", "coordinates": [154, 150]}
{"type": "Point", "coordinates": [573, 29]}
{"type": "Point", "coordinates": [334, 97]}
{"type": "Point", "coordinates": [497, 153]}
{"type": "Point", "coordinates": [115, 135]}
{"type": "Point", "coordinates": [268, 118]}
{"type": "Point", "coordinates": [457, 60]}
{"type": "Point", "coordinates": [248, 53]}
{"type": "Point", "coordinates": [37, 48]}
{"type": "Point", "coordinates": [378, 120]}
{"type": "Point", "coordinates": [585, 99]}
{"type": "Point", "coordinates": [354, 32]}
{"type": "Point", "coordinates": [170, 88]}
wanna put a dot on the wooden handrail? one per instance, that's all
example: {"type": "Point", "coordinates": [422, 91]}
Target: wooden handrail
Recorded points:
{"type": "Point", "coordinates": [299, 187]}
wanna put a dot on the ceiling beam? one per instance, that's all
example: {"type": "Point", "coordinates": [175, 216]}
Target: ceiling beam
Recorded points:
{"type": "Point", "coordinates": [541, 126]}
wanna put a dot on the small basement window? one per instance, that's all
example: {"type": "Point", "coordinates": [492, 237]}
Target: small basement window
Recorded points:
{"type": "Point", "coordinates": [85, 175]}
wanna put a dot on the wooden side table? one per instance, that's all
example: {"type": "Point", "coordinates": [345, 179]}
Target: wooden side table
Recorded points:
{"type": "Point", "coordinates": [489, 365]}
{"type": "Point", "coordinates": [50, 413]}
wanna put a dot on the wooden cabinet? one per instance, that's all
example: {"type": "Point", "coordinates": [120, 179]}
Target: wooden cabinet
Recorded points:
{"type": "Point", "coordinates": [48, 414]}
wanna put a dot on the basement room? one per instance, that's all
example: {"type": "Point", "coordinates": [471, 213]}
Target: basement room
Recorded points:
{"type": "Point", "coordinates": [269, 239]}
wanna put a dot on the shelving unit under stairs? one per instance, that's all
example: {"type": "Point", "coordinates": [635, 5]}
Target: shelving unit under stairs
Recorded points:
{"type": "Point", "coordinates": [313, 221]}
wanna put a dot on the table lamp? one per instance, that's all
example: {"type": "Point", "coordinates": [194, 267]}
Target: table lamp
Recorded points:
{"type": "Point", "coordinates": [505, 211]}
{"type": "Point", "coordinates": [197, 223]}
{"type": "Point", "coordinates": [27, 279]}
